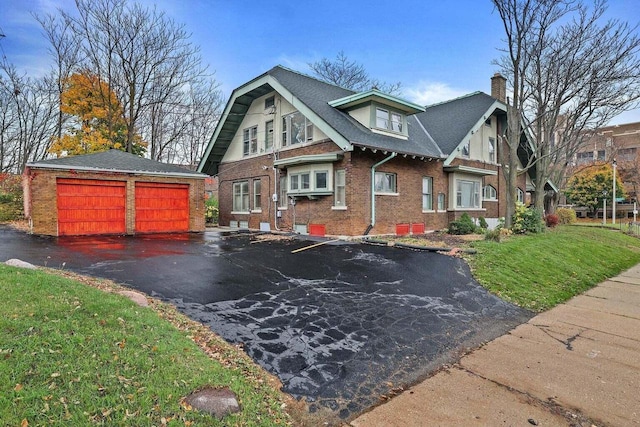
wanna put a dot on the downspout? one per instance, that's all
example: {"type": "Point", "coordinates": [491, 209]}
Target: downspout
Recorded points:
{"type": "Point", "coordinates": [373, 192]}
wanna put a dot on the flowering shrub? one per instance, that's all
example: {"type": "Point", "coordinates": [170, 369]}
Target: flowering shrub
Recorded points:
{"type": "Point", "coordinates": [211, 211]}
{"type": "Point", "coordinates": [526, 220]}
{"type": "Point", "coordinates": [551, 220]}
{"type": "Point", "coordinates": [566, 216]}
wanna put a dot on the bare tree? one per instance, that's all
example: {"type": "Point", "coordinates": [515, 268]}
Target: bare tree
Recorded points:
{"type": "Point", "coordinates": [29, 118]}
{"type": "Point", "coordinates": [565, 83]}
{"type": "Point", "coordinates": [144, 56]}
{"type": "Point", "coordinates": [350, 75]}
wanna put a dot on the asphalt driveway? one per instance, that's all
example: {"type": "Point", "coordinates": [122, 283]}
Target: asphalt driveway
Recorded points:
{"type": "Point", "coordinates": [339, 324]}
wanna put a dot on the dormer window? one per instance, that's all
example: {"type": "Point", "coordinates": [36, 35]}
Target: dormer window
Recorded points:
{"type": "Point", "coordinates": [389, 120]}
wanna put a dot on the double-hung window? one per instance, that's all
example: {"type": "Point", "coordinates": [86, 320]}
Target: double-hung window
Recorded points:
{"type": "Point", "coordinates": [340, 189]}
{"type": "Point", "coordinates": [389, 120]}
{"type": "Point", "coordinates": [385, 182]}
{"type": "Point", "coordinates": [320, 180]}
{"type": "Point", "coordinates": [250, 141]}
{"type": "Point", "coordinates": [492, 150]}
{"type": "Point", "coordinates": [467, 194]}
{"type": "Point", "coordinates": [520, 196]}
{"type": "Point", "coordinates": [282, 193]}
{"type": "Point", "coordinates": [427, 193]}
{"type": "Point", "coordinates": [257, 195]}
{"type": "Point", "coordinates": [441, 201]}
{"type": "Point", "coordinates": [268, 135]}
{"type": "Point", "coordinates": [241, 196]}
{"type": "Point", "coordinates": [296, 129]}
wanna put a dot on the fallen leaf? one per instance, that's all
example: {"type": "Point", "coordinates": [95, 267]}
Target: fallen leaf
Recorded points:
{"type": "Point", "coordinates": [24, 423]}
{"type": "Point", "coordinates": [18, 387]}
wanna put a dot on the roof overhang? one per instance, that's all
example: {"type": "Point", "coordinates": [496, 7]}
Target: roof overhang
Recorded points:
{"type": "Point", "coordinates": [470, 170]}
{"type": "Point", "coordinates": [308, 159]}
{"type": "Point", "coordinates": [236, 109]}
{"type": "Point", "coordinates": [375, 95]}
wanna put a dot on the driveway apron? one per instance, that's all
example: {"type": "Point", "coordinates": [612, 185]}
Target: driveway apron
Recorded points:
{"type": "Point", "coordinates": [339, 324]}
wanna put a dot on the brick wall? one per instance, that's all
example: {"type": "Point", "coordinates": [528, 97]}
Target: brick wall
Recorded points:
{"type": "Point", "coordinates": [43, 197]}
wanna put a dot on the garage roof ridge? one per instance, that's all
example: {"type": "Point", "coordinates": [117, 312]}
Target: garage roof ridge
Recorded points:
{"type": "Point", "coordinates": [116, 161]}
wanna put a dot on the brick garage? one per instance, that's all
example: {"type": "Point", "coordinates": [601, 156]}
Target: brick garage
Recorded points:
{"type": "Point", "coordinates": [112, 192]}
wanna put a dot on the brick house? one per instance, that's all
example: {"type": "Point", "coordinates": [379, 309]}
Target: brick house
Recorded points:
{"type": "Point", "coordinates": [292, 152]}
{"type": "Point", "coordinates": [112, 192]}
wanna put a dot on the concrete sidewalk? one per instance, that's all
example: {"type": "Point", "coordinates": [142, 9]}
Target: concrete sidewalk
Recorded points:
{"type": "Point", "coordinates": [575, 365]}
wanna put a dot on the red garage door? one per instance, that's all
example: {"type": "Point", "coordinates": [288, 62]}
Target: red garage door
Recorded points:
{"type": "Point", "coordinates": [162, 208]}
{"type": "Point", "coordinates": [88, 206]}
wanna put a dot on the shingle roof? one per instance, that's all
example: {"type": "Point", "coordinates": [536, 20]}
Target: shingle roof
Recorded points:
{"type": "Point", "coordinates": [316, 95]}
{"type": "Point", "coordinates": [116, 161]}
{"type": "Point", "coordinates": [449, 122]}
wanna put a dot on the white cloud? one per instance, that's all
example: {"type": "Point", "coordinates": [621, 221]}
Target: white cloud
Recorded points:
{"type": "Point", "coordinates": [427, 93]}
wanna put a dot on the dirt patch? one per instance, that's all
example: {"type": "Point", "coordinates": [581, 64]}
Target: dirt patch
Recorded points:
{"type": "Point", "coordinates": [439, 239]}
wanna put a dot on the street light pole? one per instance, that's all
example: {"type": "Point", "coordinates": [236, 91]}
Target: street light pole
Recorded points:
{"type": "Point", "coordinates": [604, 207]}
{"type": "Point", "coordinates": [613, 206]}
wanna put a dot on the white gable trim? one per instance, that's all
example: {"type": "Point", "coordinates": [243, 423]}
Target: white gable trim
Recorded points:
{"type": "Point", "coordinates": [495, 106]}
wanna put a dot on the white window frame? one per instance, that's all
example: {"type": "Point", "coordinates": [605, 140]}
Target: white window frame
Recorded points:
{"type": "Point", "coordinates": [240, 197]}
{"type": "Point", "coordinates": [386, 183]}
{"type": "Point", "coordinates": [389, 120]}
{"type": "Point", "coordinates": [303, 180]}
{"type": "Point", "coordinates": [474, 197]}
{"type": "Point", "coordinates": [492, 150]}
{"type": "Point", "coordinates": [340, 192]}
{"type": "Point", "coordinates": [442, 199]}
{"type": "Point", "coordinates": [492, 193]}
{"type": "Point", "coordinates": [520, 195]}
{"type": "Point", "coordinates": [250, 141]}
{"type": "Point", "coordinates": [257, 195]}
{"type": "Point", "coordinates": [465, 149]}
{"type": "Point", "coordinates": [427, 194]}
{"type": "Point", "coordinates": [282, 194]}
{"type": "Point", "coordinates": [289, 122]}
{"type": "Point", "coordinates": [268, 136]}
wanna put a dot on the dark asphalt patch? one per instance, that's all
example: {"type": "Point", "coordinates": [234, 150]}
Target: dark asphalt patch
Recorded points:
{"type": "Point", "coordinates": [340, 325]}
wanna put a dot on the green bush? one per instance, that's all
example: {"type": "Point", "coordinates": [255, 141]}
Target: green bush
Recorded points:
{"type": "Point", "coordinates": [527, 220]}
{"type": "Point", "coordinates": [483, 223]}
{"type": "Point", "coordinates": [566, 216]}
{"type": "Point", "coordinates": [463, 225]}
{"type": "Point", "coordinates": [211, 211]}
{"type": "Point", "coordinates": [11, 205]}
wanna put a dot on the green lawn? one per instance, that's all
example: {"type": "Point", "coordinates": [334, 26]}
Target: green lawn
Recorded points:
{"type": "Point", "coordinates": [539, 271]}
{"type": "Point", "coordinates": [73, 355]}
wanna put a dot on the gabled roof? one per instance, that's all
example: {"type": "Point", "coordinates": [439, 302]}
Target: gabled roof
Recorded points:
{"type": "Point", "coordinates": [116, 161]}
{"type": "Point", "coordinates": [311, 97]}
{"type": "Point", "coordinates": [450, 122]}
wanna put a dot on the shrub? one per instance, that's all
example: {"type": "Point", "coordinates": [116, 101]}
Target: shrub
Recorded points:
{"type": "Point", "coordinates": [566, 216]}
{"type": "Point", "coordinates": [551, 220]}
{"type": "Point", "coordinates": [11, 206]}
{"type": "Point", "coordinates": [463, 225]}
{"type": "Point", "coordinates": [211, 211]}
{"type": "Point", "coordinates": [483, 223]}
{"type": "Point", "coordinates": [498, 234]}
{"type": "Point", "coordinates": [526, 220]}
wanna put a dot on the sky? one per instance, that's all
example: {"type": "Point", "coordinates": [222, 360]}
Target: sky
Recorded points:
{"type": "Point", "coordinates": [438, 50]}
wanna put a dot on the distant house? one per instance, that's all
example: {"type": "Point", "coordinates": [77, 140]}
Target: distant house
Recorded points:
{"type": "Point", "coordinates": [295, 153]}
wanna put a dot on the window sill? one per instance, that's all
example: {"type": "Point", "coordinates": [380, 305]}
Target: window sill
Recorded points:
{"type": "Point", "coordinates": [338, 208]}
{"type": "Point", "coordinates": [442, 211]}
{"type": "Point", "coordinates": [470, 209]}
{"type": "Point", "coordinates": [386, 194]}
{"type": "Point", "coordinates": [428, 211]}
{"type": "Point", "coordinates": [281, 208]}
{"type": "Point", "coordinates": [240, 212]}
{"type": "Point", "coordinates": [309, 193]}
{"type": "Point", "coordinates": [255, 211]}
{"type": "Point", "coordinates": [489, 200]}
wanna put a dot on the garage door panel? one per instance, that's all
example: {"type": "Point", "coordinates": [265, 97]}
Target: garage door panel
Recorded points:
{"type": "Point", "coordinates": [162, 207]}
{"type": "Point", "coordinates": [90, 207]}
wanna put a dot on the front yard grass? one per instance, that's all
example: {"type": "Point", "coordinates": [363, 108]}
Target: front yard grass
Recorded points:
{"type": "Point", "coordinates": [539, 271]}
{"type": "Point", "coordinates": [71, 354]}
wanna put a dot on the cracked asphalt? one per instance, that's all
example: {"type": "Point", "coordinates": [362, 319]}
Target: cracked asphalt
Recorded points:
{"type": "Point", "coordinates": [340, 324]}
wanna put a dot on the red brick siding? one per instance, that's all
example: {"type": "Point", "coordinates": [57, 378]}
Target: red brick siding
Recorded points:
{"type": "Point", "coordinates": [44, 207]}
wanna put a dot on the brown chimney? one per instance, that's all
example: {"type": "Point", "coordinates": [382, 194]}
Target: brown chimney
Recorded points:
{"type": "Point", "coordinates": [499, 87]}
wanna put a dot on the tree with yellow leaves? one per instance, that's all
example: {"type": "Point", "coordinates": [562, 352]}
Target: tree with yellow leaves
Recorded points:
{"type": "Point", "coordinates": [99, 124]}
{"type": "Point", "coordinates": [589, 186]}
